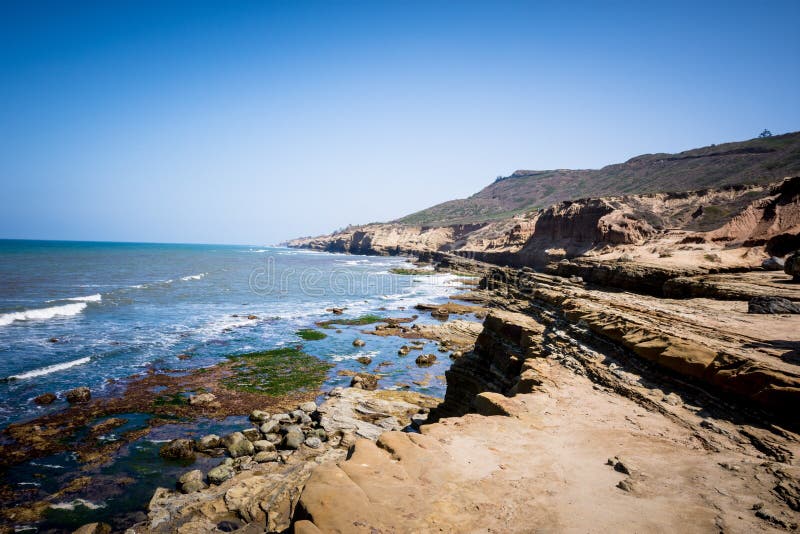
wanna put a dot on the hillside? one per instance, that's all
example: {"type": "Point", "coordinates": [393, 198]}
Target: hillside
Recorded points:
{"type": "Point", "coordinates": [757, 161]}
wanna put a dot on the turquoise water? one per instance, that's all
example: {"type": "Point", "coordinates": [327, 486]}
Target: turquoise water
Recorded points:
{"type": "Point", "coordinates": [117, 309]}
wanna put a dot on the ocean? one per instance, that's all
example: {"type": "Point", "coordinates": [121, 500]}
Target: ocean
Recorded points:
{"type": "Point", "coordinates": [81, 313]}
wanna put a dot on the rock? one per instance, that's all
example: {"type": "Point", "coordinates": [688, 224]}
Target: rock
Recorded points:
{"type": "Point", "coordinates": [79, 395]}
{"type": "Point", "coordinates": [319, 433]}
{"type": "Point", "coordinates": [94, 528]}
{"type": "Point", "coordinates": [456, 354]}
{"type": "Point", "coordinates": [192, 481]}
{"type": "Point", "coordinates": [281, 417]}
{"type": "Point", "coordinates": [184, 356]}
{"type": "Point", "coordinates": [263, 445]}
{"type": "Point", "coordinates": [266, 456]}
{"type": "Point", "coordinates": [273, 437]}
{"type": "Point", "coordinates": [440, 314]}
{"type": "Point", "coordinates": [220, 474]}
{"type": "Point", "coordinates": [336, 311]}
{"type": "Point", "coordinates": [772, 305]}
{"type": "Point", "coordinates": [258, 416]}
{"type": "Point", "coordinates": [773, 264]}
{"type": "Point", "coordinates": [252, 434]}
{"type": "Point", "coordinates": [252, 317]}
{"type": "Point", "coordinates": [270, 427]}
{"type": "Point", "coordinates": [425, 360]}
{"type": "Point", "coordinates": [178, 449]}
{"type": "Point", "coordinates": [364, 381]}
{"type": "Point", "coordinates": [313, 442]}
{"type": "Point", "coordinates": [293, 439]}
{"type": "Point", "coordinates": [359, 343]}
{"type": "Point", "coordinates": [405, 349]}
{"type": "Point", "coordinates": [211, 441]}
{"type": "Point", "coordinates": [672, 399]}
{"type": "Point", "coordinates": [44, 399]}
{"type": "Point", "coordinates": [53, 340]}
{"type": "Point", "coordinates": [202, 399]}
{"type": "Point", "coordinates": [364, 360]}
{"type": "Point", "coordinates": [308, 407]}
{"type": "Point", "coordinates": [792, 266]}
{"type": "Point", "coordinates": [238, 445]}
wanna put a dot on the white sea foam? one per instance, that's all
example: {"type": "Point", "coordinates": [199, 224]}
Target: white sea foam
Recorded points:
{"type": "Point", "coordinates": [75, 503]}
{"type": "Point", "coordinates": [42, 313]}
{"type": "Point", "coordinates": [193, 277]}
{"type": "Point", "coordinates": [51, 466]}
{"type": "Point", "coordinates": [97, 297]}
{"type": "Point", "coordinates": [50, 369]}
{"type": "Point", "coordinates": [353, 355]}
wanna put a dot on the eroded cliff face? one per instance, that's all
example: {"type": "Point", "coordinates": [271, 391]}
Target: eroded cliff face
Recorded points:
{"type": "Point", "coordinates": [678, 229]}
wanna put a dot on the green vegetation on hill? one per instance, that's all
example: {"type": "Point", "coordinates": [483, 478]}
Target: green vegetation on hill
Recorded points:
{"type": "Point", "coordinates": [757, 161]}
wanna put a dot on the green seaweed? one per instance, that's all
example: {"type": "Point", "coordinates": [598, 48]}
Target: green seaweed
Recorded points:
{"type": "Point", "coordinates": [412, 272]}
{"type": "Point", "coordinates": [276, 372]}
{"type": "Point", "coordinates": [309, 334]}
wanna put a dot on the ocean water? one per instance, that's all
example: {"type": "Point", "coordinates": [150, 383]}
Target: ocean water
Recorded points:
{"type": "Point", "coordinates": [118, 309]}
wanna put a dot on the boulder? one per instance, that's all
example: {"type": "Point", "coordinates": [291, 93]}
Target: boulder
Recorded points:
{"type": "Point", "coordinates": [259, 416]}
{"type": "Point", "coordinates": [211, 441]}
{"type": "Point", "coordinates": [266, 456]}
{"type": "Point", "coordinates": [364, 381]}
{"type": "Point", "coordinates": [792, 266]}
{"type": "Point", "coordinates": [220, 474]}
{"type": "Point", "coordinates": [79, 395]}
{"type": "Point", "coordinates": [178, 449]}
{"type": "Point", "coordinates": [192, 482]}
{"type": "Point", "coordinates": [772, 305]}
{"type": "Point", "coordinates": [425, 360]}
{"type": "Point", "coordinates": [359, 343]}
{"type": "Point", "coordinates": [202, 399]}
{"type": "Point", "coordinates": [252, 434]}
{"type": "Point", "coordinates": [301, 417]}
{"type": "Point", "coordinates": [263, 445]}
{"type": "Point", "coordinates": [293, 439]}
{"type": "Point", "coordinates": [402, 351]}
{"type": "Point", "coordinates": [364, 360]}
{"type": "Point", "coordinates": [308, 407]}
{"type": "Point", "coordinates": [44, 399]}
{"type": "Point", "coordinates": [238, 445]}
{"type": "Point", "coordinates": [313, 442]}
{"type": "Point", "coordinates": [270, 427]}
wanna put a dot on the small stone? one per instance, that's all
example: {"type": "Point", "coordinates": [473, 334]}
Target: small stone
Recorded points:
{"type": "Point", "coordinates": [79, 395]}
{"type": "Point", "coordinates": [252, 434]}
{"type": "Point", "coordinates": [293, 439]}
{"type": "Point", "coordinates": [263, 445]}
{"type": "Point", "coordinates": [252, 317]}
{"type": "Point", "coordinates": [192, 481]}
{"type": "Point", "coordinates": [266, 456]}
{"type": "Point", "coordinates": [211, 441]}
{"type": "Point", "coordinates": [281, 417]}
{"type": "Point", "coordinates": [313, 442]}
{"type": "Point", "coordinates": [178, 449]}
{"type": "Point", "coordinates": [405, 349]}
{"type": "Point", "coordinates": [53, 340]}
{"type": "Point", "coordinates": [184, 356]}
{"type": "Point", "coordinates": [220, 474]}
{"type": "Point", "coordinates": [359, 343]}
{"type": "Point", "coordinates": [259, 416]}
{"type": "Point", "coordinates": [364, 360]}
{"type": "Point", "coordinates": [273, 438]}
{"type": "Point", "coordinates": [45, 399]}
{"type": "Point", "coordinates": [202, 399]}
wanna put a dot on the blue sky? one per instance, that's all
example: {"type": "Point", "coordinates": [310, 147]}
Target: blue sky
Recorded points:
{"type": "Point", "coordinates": [254, 122]}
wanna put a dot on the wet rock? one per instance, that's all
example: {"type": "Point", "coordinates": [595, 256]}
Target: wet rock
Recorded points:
{"type": "Point", "coordinates": [313, 442]}
{"type": "Point", "coordinates": [336, 311]}
{"type": "Point", "coordinates": [202, 399]}
{"type": "Point", "coordinates": [220, 474]}
{"type": "Point", "coordinates": [259, 416]}
{"type": "Point", "coordinates": [252, 434]}
{"type": "Point", "coordinates": [773, 264]}
{"type": "Point", "coordinates": [252, 317]}
{"type": "Point", "coordinates": [263, 445]}
{"type": "Point", "coordinates": [270, 427]}
{"type": "Point", "coordinates": [364, 381]}
{"type": "Point", "coordinates": [359, 343]}
{"type": "Point", "coordinates": [273, 437]}
{"type": "Point", "coordinates": [192, 481]}
{"type": "Point", "coordinates": [238, 445]}
{"type": "Point", "coordinates": [53, 340]}
{"type": "Point", "coordinates": [45, 399]}
{"type": "Point", "coordinates": [281, 417]}
{"type": "Point", "coordinates": [184, 356]}
{"type": "Point", "coordinates": [456, 354]}
{"type": "Point", "coordinates": [266, 456]}
{"type": "Point", "coordinates": [405, 349]}
{"type": "Point", "coordinates": [440, 314]}
{"type": "Point", "coordinates": [178, 449]}
{"type": "Point", "coordinates": [308, 407]}
{"type": "Point", "coordinates": [211, 441]}
{"type": "Point", "coordinates": [425, 360]}
{"type": "Point", "coordinates": [772, 305]}
{"type": "Point", "coordinates": [364, 360]}
{"type": "Point", "coordinates": [79, 395]}
{"type": "Point", "coordinates": [301, 417]}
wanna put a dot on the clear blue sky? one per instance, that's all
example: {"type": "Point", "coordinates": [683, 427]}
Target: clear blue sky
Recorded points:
{"type": "Point", "coordinates": [253, 122]}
